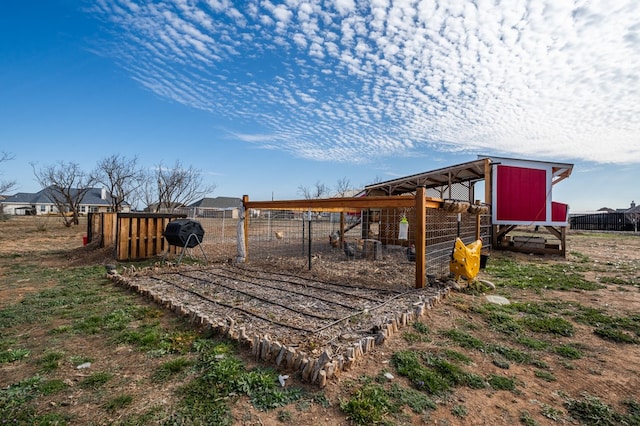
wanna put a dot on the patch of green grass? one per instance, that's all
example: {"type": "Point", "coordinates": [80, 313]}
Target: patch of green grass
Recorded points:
{"type": "Point", "coordinates": [580, 257]}
{"type": "Point", "coordinates": [511, 354]}
{"type": "Point", "coordinates": [96, 380]}
{"type": "Point", "coordinates": [432, 373]}
{"type": "Point", "coordinates": [285, 416]}
{"type": "Point", "coordinates": [48, 387]}
{"type": "Point", "coordinates": [170, 368]}
{"type": "Point", "coordinates": [118, 403]}
{"type": "Point", "coordinates": [556, 276]}
{"type": "Point", "coordinates": [12, 355]}
{"type": "Point", "coordinates": [50, 361]}
{"type": "Point", "coordinates": [459, 411]}
{"type": "Point", "coordinates": [410, 337]}
{"type": "Point", "coordinates": [501, 382]}
{"type": "Point", "coordinates": [409, 364]}
{"type": "Point", "coordinates": [456, 356]}
{"type": "Point", "coordinates": [368, 406]}
{"type": "Point", "coordinates": [551, 412]}
{"type": "Point", "coordinates": [545, 375]}
{"type": "Point", "coordinates": [548, 324]}
{"type": "Point", "coordinates": [526, 419]}
{"type": "Point", "coordinates": [420, 328]}
{"type": "Point", "coordinates": [617, 281]}
{"type": "Point", "coordinates": [417, 401]}
{"type": "Point", "coordinates": [503, 322]}
{"type": "Point", "coordinates": [531, 343]}
{"type": "Point", "coordinates": [615, 328]}
{"type": "Point", "coordinates": [463, 339]}
{"type": "Point", "coordinates": [592, 411]}
{"type": "Point", "coordinates": [223, 377]}
{"type": "Point", "coordinates": [568, 352]}
{"type": "Point", "coordinates": [615, 335]}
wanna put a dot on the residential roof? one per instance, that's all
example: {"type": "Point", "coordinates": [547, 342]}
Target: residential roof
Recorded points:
{"type": "Point", "coordinates": [218, 203]}
{"type": "Point", "coordinates": [92, 197]}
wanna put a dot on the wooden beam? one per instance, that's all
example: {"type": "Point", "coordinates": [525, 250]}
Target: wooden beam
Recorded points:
{"type": "Point", "coordinates": [342, 204]}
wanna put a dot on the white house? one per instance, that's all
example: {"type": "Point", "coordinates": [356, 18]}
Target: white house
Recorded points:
{"type": "Point", "coordinates": [40, 203]}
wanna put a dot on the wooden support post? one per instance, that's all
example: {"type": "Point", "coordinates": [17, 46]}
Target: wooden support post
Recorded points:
{"type": "Point", "coordinates": [420, 237]}
{"type": "Point", "coordinates": [245, 200]}
{"type": "Point", "coordinates": [342, 223]}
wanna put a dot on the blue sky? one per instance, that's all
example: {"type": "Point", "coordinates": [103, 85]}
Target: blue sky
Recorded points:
{"type": "Point", "coordinates": [266, 96]}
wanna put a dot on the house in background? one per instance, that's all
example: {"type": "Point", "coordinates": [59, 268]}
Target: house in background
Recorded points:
{"type": "Point", "coordinates": [96, 200]}
{"type": "Point", "coordinates": [219, 207]}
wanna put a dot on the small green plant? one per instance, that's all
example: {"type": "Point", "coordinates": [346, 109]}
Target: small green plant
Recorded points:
{"type": "Point", "coordinates": [615, 335]}
{"type": "Point", "coordinates": [50, 361]}
{"type": "Point", "coordinates": [548, 324]}
{"type": "Point", "coordinates": [96, 380]}
{"type": "Point", "coordinates": [591, 410]}
{"type": "Point", "coordinates": [526, 419]}
{"type": "Point", "coordinates": [48, 387]}
{"type": "Point", "coordinates": [551, 413]}
{"type": "Point", "coordinates": [420, 328]}
{"type": "Point", "coordinates": [321, 399]}
{"type": "Point", "coordinates": [580, 257]}
{"type": "Point", "coordinates": [456, 356]}
{"type": "Point", "coordinates": [285, 416]}
{"type": "Point", "coordinates": [568, 352]}
{"type": "Point", "coordinates": [545, 375]}
{"type": "Point", "coordinates": [501, 382]}
{"type": "Point", "coordinates": [535, 344]}
{"type": "Point", "coordinates": [171, 368]}
{"type": "Point", "coordinates": [118, 403]}
{"type": "Point", "coordinates": [459, 411]}
{"type": "Point", "coordinates": [511, 354]}
{"type": "Point", "coordinates": [12, 355]}
{"type": "Point", "coordinates": [463, 339]}
{"type": "Point", "coordinates": [410, 337]}
{"type": "Point", "coordinates": [417, 401]}
{"type": "Point", "coordinates": [368, 405]}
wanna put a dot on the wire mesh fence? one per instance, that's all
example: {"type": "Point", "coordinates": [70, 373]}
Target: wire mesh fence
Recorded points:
{"type": "Point", "coordinates": [372, 242]}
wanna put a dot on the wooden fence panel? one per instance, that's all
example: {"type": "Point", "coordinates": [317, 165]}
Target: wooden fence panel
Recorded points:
{"type": "Point", "coordinates": [134, 236]}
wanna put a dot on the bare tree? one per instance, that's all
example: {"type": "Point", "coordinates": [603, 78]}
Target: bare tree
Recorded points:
{"type": "Point", "coordinates": [6, 185]}
{"type": "Point", "coordinates": [66, 185]}
{"type": "Point", "coordinates": [178, 186]}
{"type": "Point", "coordinates": [319, 190]}
{"type": "Point", "coordinates": [343, 186]}
{"type": "Point", "coordinates": [121, 177]}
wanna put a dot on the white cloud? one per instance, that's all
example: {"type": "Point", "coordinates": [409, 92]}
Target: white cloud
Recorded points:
{"type": "Point", "coordinates": [344, 80]}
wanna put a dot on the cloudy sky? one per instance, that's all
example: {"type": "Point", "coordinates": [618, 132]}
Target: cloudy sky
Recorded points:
{"type": "Point", "coordinates": [267, 96]}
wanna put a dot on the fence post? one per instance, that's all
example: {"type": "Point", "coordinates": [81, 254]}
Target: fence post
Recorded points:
{"type": "Point", "coordinates": [420, 236]}
{"type": "Point", "coordinates": [245, 200]}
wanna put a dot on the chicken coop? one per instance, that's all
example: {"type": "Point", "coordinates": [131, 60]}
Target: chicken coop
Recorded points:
{"type": "Point", "coordinates": [506, 203]}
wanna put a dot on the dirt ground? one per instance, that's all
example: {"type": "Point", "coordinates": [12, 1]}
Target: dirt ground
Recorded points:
{"type": "Point", "coordinates": [609, 370]}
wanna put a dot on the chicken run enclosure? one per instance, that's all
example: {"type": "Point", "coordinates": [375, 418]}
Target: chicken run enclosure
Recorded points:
{"type": "Point", "coordinates": [363, 239]}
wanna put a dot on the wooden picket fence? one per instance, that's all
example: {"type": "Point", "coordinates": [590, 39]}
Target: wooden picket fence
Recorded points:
{"type": "Point", "coordinates": [134, 236]}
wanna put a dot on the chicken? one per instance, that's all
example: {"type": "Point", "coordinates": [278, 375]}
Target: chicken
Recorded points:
{"type": "Point", "coordinates": [279, 235]}
{"type": "Point", "coordinates": [334, 239]}
{"type": "Point", "coordinates": [350, 250]}
{"type": "Point", "coordinates": [411, 253]}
